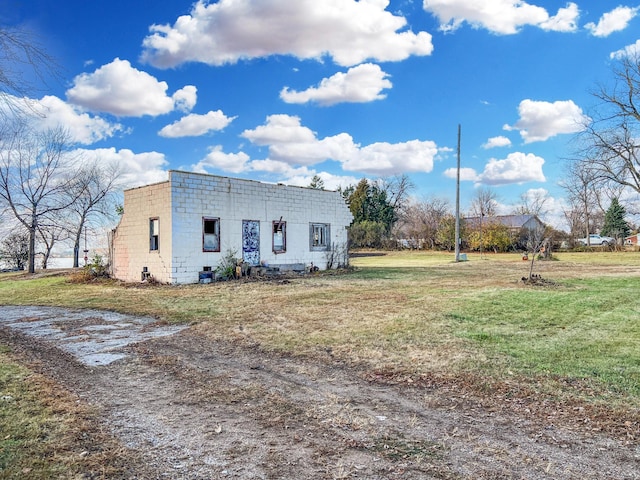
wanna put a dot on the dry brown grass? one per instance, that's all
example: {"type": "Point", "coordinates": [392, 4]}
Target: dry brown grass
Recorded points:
{"type": "Point", "coordinates": [377, 320]}
{"type": "Point", "coordinates": [393, 313]}
{"type": "Point", "coordinates": [50, 433]}
{"type": "Point", "coordinates": [412, 319]}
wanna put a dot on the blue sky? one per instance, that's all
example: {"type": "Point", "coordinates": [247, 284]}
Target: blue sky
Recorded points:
{"type": "Point", "coordinates": [280, 90]}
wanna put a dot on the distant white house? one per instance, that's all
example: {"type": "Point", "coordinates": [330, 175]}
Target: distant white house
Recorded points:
{"type": "Point", "coordinates": [174, 230]}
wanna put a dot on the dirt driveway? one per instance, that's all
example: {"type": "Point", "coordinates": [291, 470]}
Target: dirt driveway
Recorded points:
{"type": "Point", "coordinates": [192, 408]}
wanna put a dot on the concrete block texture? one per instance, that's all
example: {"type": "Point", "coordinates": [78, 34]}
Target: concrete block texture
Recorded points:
{"type": "Point", "coordinates": [180, 204]}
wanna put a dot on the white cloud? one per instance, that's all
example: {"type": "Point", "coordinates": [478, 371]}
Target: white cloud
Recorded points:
{"type": "Point", "coordinates": [542, 120]}
{"type": "Point", "coordinates": [360, 84]}
{"type": "Point", "coordinates": [280, 128]}
{"type": "Point", "coordinates": [122, 90]}
{"type": "Point", "coordinates": [553, 210]}
{"type": "Point", "coordinates": [185, 98]}
{"type": "Point", "coordinates": [52, 112]}
{"type": "Point", "coordinates": [466, 174]}
{"type": "Point", "coordinates": [535, 193]}
{"type": "Point", "coordinates": [282, 169]}
{"type": "Point", "coordinates": [331, 182]}
{"type": "Point", "coordinates": [288, 174]}
{"type": "Point", "coordinates": [564, 21]}
{"type": "Point", "coordinates": [137, 168]}
{"type": "Point", "coordinates": [500, 141]}
{"type": "Point", "coordinates": [613, 21]}
{"type": "Point", "coordinates": [228, 162]}
{"type": "Point", "coordinates": [194, 125]}
{"type": "Point", "coordinates": [294, 144]}
{"type": "Point", "coordinates": [290, 142]}
{"type": "Point", "coordinates": [629, 51]}
{"type": "Point", "coordinates": [224, 32]}
{"type": "Point", "coordinates": [500, 16]}
{"type": "Point", "coordinates": [393, 158]}
{"type": "Point", "coordinates": [516, 168]}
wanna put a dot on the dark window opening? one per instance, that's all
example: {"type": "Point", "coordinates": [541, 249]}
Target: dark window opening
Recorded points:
{"type": "Point", "coordinates": [154, 234]}
{"type": "Point", "coordinates": [210, 234]}
{"type": "Point", "coordinates": [279, 237]}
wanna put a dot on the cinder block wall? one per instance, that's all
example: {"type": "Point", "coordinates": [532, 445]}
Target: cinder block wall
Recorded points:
{"type": "Point", "coordinates": [180, 205]}
{"type": "Point", "coordinates": [131, 239]}
{"type": "Point", "coordinates": [233, 200]}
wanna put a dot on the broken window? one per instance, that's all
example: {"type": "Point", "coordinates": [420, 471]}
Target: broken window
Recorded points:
{"type": "Point", "coordinates": [279, 236]}
{"type": "Point", "coordinates": [320, 239]}
{"type": "Point", "coordinates": [210, 234]}
{"type": "Point", "coordinates": [154, 233]}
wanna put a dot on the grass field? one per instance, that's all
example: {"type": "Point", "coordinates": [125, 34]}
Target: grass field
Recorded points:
{"type": "Point", "coordinates": [410, 311]}
{"type": "Point", "coordinates": [414, 314]}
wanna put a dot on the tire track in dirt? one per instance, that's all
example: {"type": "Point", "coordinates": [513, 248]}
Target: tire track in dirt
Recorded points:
{"type": "Point", "coordinates": [193, 408]}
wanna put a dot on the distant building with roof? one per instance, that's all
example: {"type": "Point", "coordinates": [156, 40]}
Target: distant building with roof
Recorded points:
{"type": "Point", "coordinates": [515, 223]}
{"type": "Point", "coordinates": [632, 239]}
{"type": "Point", "coordinates": [519, 227]}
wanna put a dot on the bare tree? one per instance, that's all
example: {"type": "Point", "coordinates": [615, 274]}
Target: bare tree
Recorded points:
{"type": "Point", "coordinates": [421, 221]}
{"type": "Point", "coordinates": [14, 249]}
{"type": "Point", "coordinates": [95, 184]}
{"type": "Point", "coordinates": [533, 202]}
{"type": "Point", "coordinates": [574, 217]}
{"type": "Point", "coordinates": [611, 140]}
{"type": "Point", "coordinates": [581, 184]}
{"type": "Point", "coordinates": [537, 242]}
{"type": "Point", "coordinates": [397, 190]}
{"type": "Point", "coordinates": [20, 52]}
{"type": "Point", "coordinates": [35, 177]}
{"type": "Point", "coordinates": [51, 232]}
{"type": "Point", "coordinates": [484, 203]}
{"type": "Point", "coordinates": [4, 212]}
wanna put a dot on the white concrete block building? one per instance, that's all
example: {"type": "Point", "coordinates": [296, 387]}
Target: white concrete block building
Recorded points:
{"type": "Point", "coordinates": [176, 229]}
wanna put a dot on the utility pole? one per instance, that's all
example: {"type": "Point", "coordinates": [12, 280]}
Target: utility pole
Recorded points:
{"type": "Point", "coordinates": [457, 233]}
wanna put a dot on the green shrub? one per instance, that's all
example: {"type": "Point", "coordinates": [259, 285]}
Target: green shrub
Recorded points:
{"type": "Point", "coordinates": [226, 269]}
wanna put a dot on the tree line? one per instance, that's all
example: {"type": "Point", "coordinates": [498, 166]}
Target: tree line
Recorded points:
{"type": "Point", "coordinates": [606, 165]}
{"type": "Point", "coordinates": [48, 193]}
{"type": "Point", "coordinates": [386, 216]}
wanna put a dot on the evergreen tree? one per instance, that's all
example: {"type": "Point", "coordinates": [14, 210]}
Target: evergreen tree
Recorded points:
{"type": "Point", "coordinates": [357, 200]}
{"type": "Point", "coordinates": [373, 214]}
{"type": "Point", "coordinates": [369, 202]}
{"type": "Point", "coordinates": [317, 183]}
{"type": "Point", "coordinates": [614, 223]}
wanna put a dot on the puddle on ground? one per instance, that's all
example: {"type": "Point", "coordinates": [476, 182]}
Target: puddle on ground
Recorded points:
{"type": "Point", "coordinates": [94, 337]}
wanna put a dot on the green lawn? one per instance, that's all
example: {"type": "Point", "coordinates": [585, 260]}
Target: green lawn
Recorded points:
{"type": "Point", "coordinates": [587, 329]}
{"type": "Point", "coordinates": [418, 312]}
{"type": "Point", "coordinates": [414, 314]}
